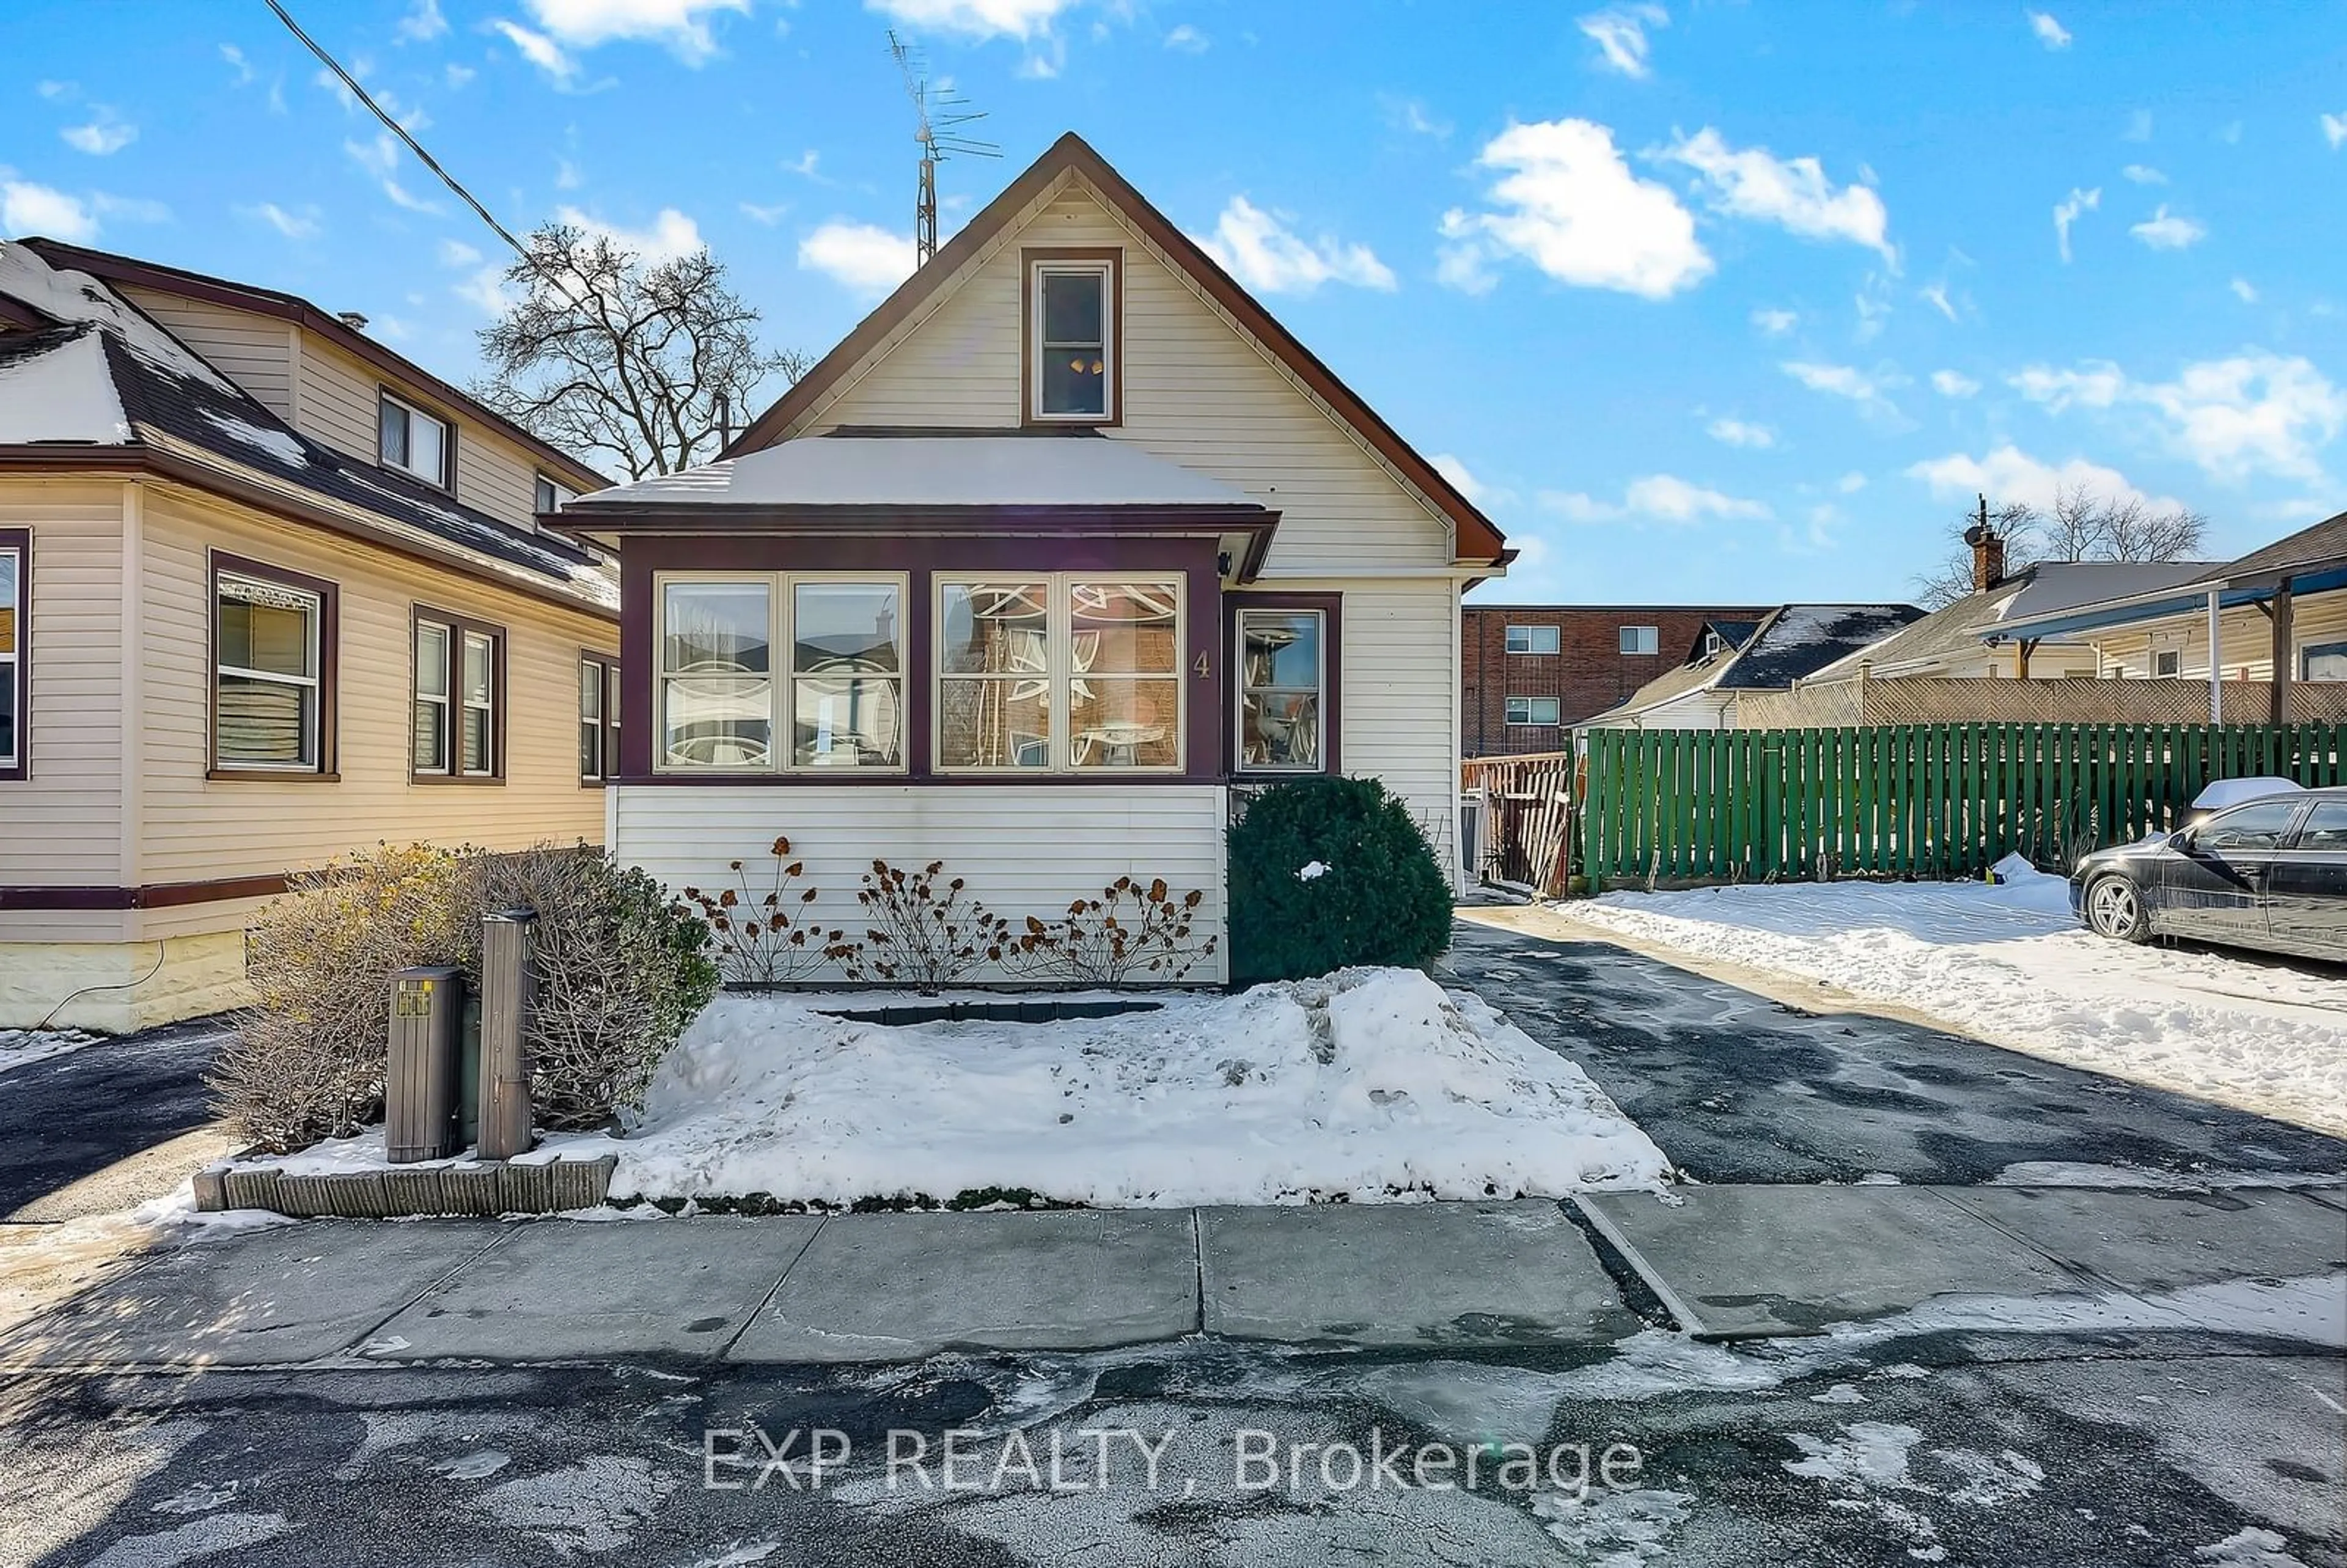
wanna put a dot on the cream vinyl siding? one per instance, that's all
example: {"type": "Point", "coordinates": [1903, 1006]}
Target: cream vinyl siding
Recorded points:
{"type": "Point", "coordinates": [62, 826]}
{"type": "Point", "coordinates": [1198, 392]}
{"type": "Point", "coordinates": [1399, 696]}
{"type": "Point", "coordinates": [197, 829]}
{"type": "Point", "coordinates": [1023, 849]}
{"type": "Point", "coordinates": [256, 352]}
{"type": "Point", "coordinates": [2245, 638]}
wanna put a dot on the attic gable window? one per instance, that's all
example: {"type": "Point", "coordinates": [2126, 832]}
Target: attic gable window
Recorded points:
{"type": "Point", "coordinates": [1072, 309]}
{"type": "Point", "coordinates": [415, 442]}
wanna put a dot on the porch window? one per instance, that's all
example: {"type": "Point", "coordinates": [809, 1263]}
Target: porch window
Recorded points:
{"type": "Point", "coordinates": [15, 545]}
{"type": "Point", "coordinates": [842, 686]}
{"type": "Point", "coordinates": [1532, 710]}
{"type": "Point", "coordinates": [1283, 681]}
{"type": "Point", "coordinates": [2323, 662]}
{"type": "Point", "coordinates": [458, 732]}
{"type": "Point", "coordinates": [1071, 308]}
{"type": "Point", "coordinates": [599, 718]}
{"type": "Point", "coordinates": [1063, 673]}
{"type": "Point", "coordinates": [271, 684]}
{"type": "Point", "coordinates": [2166, 661]}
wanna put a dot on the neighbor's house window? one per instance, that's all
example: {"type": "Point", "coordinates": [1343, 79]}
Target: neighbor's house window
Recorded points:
{"type": "Point", "coordinates": [272, 661]}
{"type": "Point", "coordinates": [460, 691]}
{"type": "Point", "coordinates": [1641, 639]}
{"type": "Point", "coordinates": [599, 718]}
{"type": "Point", "coordinates": [1282, 715]}
{"type": "Point", "coordinates": [715, 683]}
{"type": "Point", "coordinates": [1533, 640]}
{"type": "Point", "coordinates": [16, 595]}
{"type": "Point", "coordinates": [1532, 710]}
{"type": "Point", "coordinates": [1071, 336]}
{"type": "Point", "coordinates": [2167, 661]}
{"type": "Point", "coordinates": [2323, 662]}
{"type": "Point", "coordinates": [551, 496]}
{"type": "Point", "coordinates": [1060, 673]}
{"type": "Point", "coordinates": [415, 442]}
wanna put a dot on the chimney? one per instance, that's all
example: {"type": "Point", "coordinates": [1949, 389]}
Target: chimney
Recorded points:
{"type": "Point", "coordinates": [1988, 551]}
{"type": "Point", "coordinates": [351, 320]}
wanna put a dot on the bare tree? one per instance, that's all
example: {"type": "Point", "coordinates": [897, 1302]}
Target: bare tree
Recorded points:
{"type": "Point", "coordinates": [627, 362]}
{"type": "Point", "coordinates": [2082, 526]}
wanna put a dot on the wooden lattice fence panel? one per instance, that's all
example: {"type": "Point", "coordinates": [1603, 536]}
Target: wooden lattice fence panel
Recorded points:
{"type": "Point", "coordinates": [2072, 700]}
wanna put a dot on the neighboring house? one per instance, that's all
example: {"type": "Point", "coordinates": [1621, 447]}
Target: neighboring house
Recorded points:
{"type": "Point", "coordinates": [1791, 642]}
{"type": "Point", "coordinates": [268, 592]}
{"type": "Point", "coordinates": [1534, 671]}
{"type": "Point", "coordinates": [1067, 538]}
{"type": "Point", "coordinates": [2277, 615]}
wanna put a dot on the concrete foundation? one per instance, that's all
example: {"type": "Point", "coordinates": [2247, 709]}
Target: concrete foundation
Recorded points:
{"type": "Point", "coordinates": [122, 985]}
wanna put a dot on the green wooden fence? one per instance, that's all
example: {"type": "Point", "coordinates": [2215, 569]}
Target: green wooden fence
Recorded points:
{"type": "Point", "coordinates": [1927, 800]}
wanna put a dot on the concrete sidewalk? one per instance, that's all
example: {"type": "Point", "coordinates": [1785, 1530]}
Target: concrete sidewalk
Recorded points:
{"type": "Point", "coordinates": [1728, 1262]}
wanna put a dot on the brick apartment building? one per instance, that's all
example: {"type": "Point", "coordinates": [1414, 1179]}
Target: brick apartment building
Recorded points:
{"type": "Point", "coordinates": [1529, 671]}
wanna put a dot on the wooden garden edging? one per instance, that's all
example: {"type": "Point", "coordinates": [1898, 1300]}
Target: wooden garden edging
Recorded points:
{"type": "Point", "coordinates": [1935, 800]}
{"type": "Point", "coordinates": [487, 1190]}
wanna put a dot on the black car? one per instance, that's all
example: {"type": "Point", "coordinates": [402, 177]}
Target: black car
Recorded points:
{"type": "Point", "coordinates": [2269, 872]}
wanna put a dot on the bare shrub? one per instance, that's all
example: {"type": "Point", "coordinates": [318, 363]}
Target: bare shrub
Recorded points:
{"type": "Point", "coordinates": [307, 1060]}
{"type": "Point", "coordinates": [925, 933]}
{"type": "Point", "coordinates": [1132, 931]}
{"type": "Point", "coordinates": [758, 941]}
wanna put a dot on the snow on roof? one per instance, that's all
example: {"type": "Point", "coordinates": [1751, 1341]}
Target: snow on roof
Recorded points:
{"type": "Point", "coordinates": [68, 297]}
{"type": "Point", "coordinates": [976, 469]}
{"type": "Point", "coordinates": [56, 385]}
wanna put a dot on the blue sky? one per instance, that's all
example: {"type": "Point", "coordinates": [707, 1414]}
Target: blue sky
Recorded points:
{"type": "Point", "coordinates": [1732, 302]}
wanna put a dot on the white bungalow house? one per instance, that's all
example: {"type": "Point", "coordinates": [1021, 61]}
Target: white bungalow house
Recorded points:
{"type": "Point", "coordinates": [1065, 540]}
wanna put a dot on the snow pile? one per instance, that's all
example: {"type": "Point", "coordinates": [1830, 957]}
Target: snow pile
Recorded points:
{"type": "Point", "coordinates": [66, 295]}
{"type": "Point", "coordinates": [2008, 963]}
{"type": "Point", "coordinates": [19, 1047]}
{"type": "Point", "coordinates": [1370, 1085]}
{"type": "Point", "coordinates": [65, 394]}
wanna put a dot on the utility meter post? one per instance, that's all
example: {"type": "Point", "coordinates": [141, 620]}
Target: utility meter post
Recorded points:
{"type": "Point", "coordinates": [508, 975]}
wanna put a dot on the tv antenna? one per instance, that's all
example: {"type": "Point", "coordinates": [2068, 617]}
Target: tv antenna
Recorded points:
{"type": "Point", "coordinates": [937, 114]}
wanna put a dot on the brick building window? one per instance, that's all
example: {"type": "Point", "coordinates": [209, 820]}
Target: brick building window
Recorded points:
{"type": "Point", "coordinates": [1641, 640]}
{"type": "Point", "coordinates": [1532, 710]}
{"type": "Point", "coordinates": [1533, 640]}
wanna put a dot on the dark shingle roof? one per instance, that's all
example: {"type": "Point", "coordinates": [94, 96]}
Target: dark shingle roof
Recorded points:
{"type": "Point", "coordinates": [1802, 639]}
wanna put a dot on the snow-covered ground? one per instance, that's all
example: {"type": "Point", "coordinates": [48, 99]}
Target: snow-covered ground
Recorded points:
{"type": "Point", "coordinates": [2008, 964]}
{"type": "Point", "coordinates": [20, 1047]}
{"type": "Point", "coordinates": [1373, 1085]}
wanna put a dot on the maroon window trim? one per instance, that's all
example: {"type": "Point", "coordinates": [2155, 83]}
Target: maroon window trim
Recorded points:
{"type": "Point", "coordinates": [20, 541]}
{"type": "Point", "coordinates": [459, 625]}
{"type": "Point", "coordinates": [330, 600]}
{"type": "Point", "coordinates": [1331, 608]}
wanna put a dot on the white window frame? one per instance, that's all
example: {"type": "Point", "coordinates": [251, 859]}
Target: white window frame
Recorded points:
{"type": "Point", "coordinates": [1627, 644]}
{"type": "Point", "coordinates": [2160, 654]}
{"type": "Point", "coordinates": [1105, 269]}
{"type": "Point", "coordinates": [542, 486]}
{"type": "Point", "coordinates": [782, 677]}
{"type": "Point", "coordinates": [605, 718]}
{"type": "Point", "coordinates": [1319, 688]}
{"type": "Point", "coordinates": [11, 665]}
{"type": "Point", "coordinates": [1556, 711]}
{"type": "Point", "coordinates": [314, 736]}
{"type": "Point", "coordinates": [446, 479]}
{"type": "Point", "coordinates": [1060, 673]}
{"type": "Point", "coordinates": [1531, 640]}
{"type": "Point", "coordinates": [467, 639]}
{"type": "Point", "coordinates": [445, 700]}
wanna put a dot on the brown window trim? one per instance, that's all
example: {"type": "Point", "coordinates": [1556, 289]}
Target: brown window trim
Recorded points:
{"type": "Point", "coordinates": [458, 626]}
{"type": "Point", "coordinates": [447, 483]}
{"type": "Point", "coordinates": [329, 597]}
{"type": "Point", "coordinates": [1027, 258]}
{"type": "Point", "coordinates": [1331, 607]}
{"type": "Point", "coordinates": [20, 540]}
{"type": "Point", "coordinates": [606, 667]}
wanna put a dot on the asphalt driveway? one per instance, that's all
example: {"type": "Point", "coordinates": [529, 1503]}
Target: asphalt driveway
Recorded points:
{"type": "Point", "coordinates": [107, 1125]}
{"type": "Point", "coordinates": [1737, 1087]}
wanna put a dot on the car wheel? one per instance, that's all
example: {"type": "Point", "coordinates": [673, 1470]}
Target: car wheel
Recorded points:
{"type": "Point", "coordinates": [2114, 909]}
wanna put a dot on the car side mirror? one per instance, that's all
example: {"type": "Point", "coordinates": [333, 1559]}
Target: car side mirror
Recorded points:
{"type": "Point", "coordinates": [2184, 841]}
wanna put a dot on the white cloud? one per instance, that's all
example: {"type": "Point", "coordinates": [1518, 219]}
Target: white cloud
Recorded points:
{"type": "Point", "coordinates": [1793, 192]}
{"type": "Point", "coordinates": [1852, 483]}
{"type": "Point", "coordinates": [1259, 251]}
{"type": "Point", "coordinates": [1775, 324]}
{"type": "Point", "coordinates": [1479, 494]}
{"type": "Point", "coordinates": [980, 19]}
{"type": "Point", "coordinates": [2334, 130]}
{"type": "Point", "coordinates": [302, 225]}
{"type": "Point", "coordinates": [456, 253]}
{"type": "Point", "coordinates": [672, 235]}
{"type": "Point", "coordinates": [1936, 294]}
{"type": "Point", "coordinates": [380, 158]}
{"type": "Point", "coordinates": [766, 217]}
{"type": "Point", "coordinates": [1740, 433]}
{"type": "Point", "coordinates": [682, 25]}
{"type": "Point", "coordinates": [805, 163]}
{"type": "Point", "coordinates": [235, 57]}
{"type": "Point", "coordinates": [456, 76]}
{"type": "Point", "coordinates": [1868, 391]}
{"type": "Point", "coordinates": [422, 23]}
{"type": "Point", "coordinates": [2244, 290]}
{"type": "Point", "coordinates": [540, 50]}
{"type": "Point", "coordinates": [2138, 126]}
{"type": "Point", "coordinates": [2050, 33]}
{"type": "Point", "coordinates": [1411, 115]}
{"type": "Point", "coordinates": [2144, 174]}
{"type": "Point", "coordinates": [1620, 34]}
{"type": "Point", "coordinates": [2251, 414]}
{"type": "Point", "coordinates": [487, 290]}
{"type": "Point", "coordinates": [1568, 203]}
{"type": "Point", "coordinates": [1954, 384]}
{"type": "Point", "coordinates": [2066, 213]}
{"type": "Point", "coordinates": [106, 132]}
{"type": "Point", "coordinates": [862, 258]}
{"type": "Point", "coordinates": [2166, 231]}
{"type": "Point", "coordinates": [1187, 40]}
{"type": "Point", "coordinates": [2009, 474]}
{"type": "Point", "coordinates": [1657, 498]}
{"type": "Point", "coordinates": [29, 209]}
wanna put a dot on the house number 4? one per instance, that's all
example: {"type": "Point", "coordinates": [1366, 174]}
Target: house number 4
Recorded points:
{"type": "Point", "coordinates": [1201, 667]}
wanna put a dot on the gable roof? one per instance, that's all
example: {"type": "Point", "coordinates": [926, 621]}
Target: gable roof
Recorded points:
{"type": "Point", "coordinates": [2314, 558]}
{"type": "Point", "coordinates": [1475, 538]}
{"type": "Point", "coordinates": [109, 387]}
{"type": "Point", "coordinates": [1792, 641]}
{"type": "Point", "coordinates": [284, 307]}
